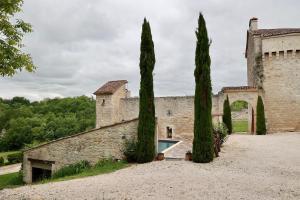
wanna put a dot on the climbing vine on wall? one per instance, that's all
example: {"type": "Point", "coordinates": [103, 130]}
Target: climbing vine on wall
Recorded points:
{"type": "Point", "coordinates": [258, 72]}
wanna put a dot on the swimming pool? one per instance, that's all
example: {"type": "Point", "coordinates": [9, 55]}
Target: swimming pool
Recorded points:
{"type": "Point", "coordinates": [164, 144]}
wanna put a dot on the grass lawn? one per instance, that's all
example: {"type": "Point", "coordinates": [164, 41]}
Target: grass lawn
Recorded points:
{"type": "Point", "coordinates": [13, 179]}
{"type": "Point", "coordinates": [106, 167]}
{"type": "Point", "coordinates": [240, 126]}
{"type": "Point", "coordinates": [5, 154]}
{"type": "Point", "coordinates": [10, 180]}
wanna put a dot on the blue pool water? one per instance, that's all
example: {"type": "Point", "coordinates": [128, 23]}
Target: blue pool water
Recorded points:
{"type": "Point", "coordinates": [164, 144]}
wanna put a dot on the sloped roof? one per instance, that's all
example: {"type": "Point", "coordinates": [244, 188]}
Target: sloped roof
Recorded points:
{"type": "Point", "coordinates": [239, 88]}
{"type": "Point", "coordinates": [110, 87]}
{"type": "Point", "coordinates": [274, 32]}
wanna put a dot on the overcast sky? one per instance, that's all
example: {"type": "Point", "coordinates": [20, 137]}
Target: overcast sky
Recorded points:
{"type": "Point", "coordinates": [78, 45]}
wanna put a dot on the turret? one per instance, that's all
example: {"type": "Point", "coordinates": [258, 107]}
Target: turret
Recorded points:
{"type": "Point", "coordinates": [108, 102]}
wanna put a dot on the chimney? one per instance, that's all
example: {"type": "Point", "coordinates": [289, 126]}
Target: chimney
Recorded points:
{"type": "Point", "coordinates": [253, 24]}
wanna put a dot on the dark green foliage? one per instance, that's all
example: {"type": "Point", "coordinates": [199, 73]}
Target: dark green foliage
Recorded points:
{"type": "Point", "coordinates": [12, 30]}
{"type": "Point", "coordinates": [222, 130]}
{"type": "Point", "coordinates": [239, 105]}
{"type": "Point", "coordinates": [203, 146]}
{"type": "Point", "coordinates": [130, 151]}
{"type": "Point", "coordinates": [22, 122]}
{"type": "Point", "coordinates": [1, 161]}
{"type": "Point", "coordinates": [72, 169]}
{"type": "Point", "coordinates": [227, 115]}
{"type": "Point", "coordinates": [10, 180]}
{"type": "Point", "coordinates": [260, 117]}
{"type": "Point", "coordinates": [15, 158]}
{"type": "Point", "coordinates": [146, 126]}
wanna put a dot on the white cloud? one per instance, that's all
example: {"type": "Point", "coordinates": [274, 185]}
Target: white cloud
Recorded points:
{"type": "Point", "coordinates": [79, 45]}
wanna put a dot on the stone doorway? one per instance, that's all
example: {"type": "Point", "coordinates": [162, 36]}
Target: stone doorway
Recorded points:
{"type": "Point", "coordinates": [40, 174]}
{"type": "Point", "coordinates": [40, 169]}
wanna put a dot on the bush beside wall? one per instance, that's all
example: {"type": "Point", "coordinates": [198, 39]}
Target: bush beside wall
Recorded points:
{"type": "Point", "coordinates": [15, 158]}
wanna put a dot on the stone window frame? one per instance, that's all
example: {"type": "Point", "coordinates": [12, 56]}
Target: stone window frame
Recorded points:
{"type": "Point", "coordinates": [169, 132]}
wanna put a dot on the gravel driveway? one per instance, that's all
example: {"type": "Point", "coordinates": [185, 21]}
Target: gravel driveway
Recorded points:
{"type": "Point", "coordinates": [249, 167]}
{"type": "Point", "coordinates": [10, 168]}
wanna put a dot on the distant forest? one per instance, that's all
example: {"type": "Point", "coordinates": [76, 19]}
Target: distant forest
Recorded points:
{"type": "Point", "coordinates": [24, 123]}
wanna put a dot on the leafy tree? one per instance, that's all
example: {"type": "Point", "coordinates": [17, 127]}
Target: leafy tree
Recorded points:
{"type": "Point", "coordinates": [203, 137]}
{"type": "Point", "coordinates": [12, 58]}
{"type": "Point", "coordinates": [227, 115]}
{"type": "Point", "coordinates": [23, 123]}
{"type": "Point", "coordinates": [239, 105]}
{"type": "Point", "coordinates": [260, 117]}
{"type": "Point", "coordinates": [146, 126]}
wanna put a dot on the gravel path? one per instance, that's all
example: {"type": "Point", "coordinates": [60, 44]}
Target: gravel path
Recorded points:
{"type": "Point", "coordinates": [10, 168]}
{"type": "Point", "coordinates": [250, 167]}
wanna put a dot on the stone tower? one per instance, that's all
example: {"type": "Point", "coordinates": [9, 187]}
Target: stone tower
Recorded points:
{"type": "Point", "coordinates": [273, 66]}
{"type": "Point", "coordinates": [108, 102]}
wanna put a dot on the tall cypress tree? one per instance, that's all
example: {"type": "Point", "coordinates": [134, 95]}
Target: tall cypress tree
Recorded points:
{"type": "Point", "coordinates": [227, 115]}
{"type": "Point", "coordinates": [203, 138]}
{"type": "Point", "coordinates": [260, 117]}
{"type": "Point", "coordinates": [146, 126]}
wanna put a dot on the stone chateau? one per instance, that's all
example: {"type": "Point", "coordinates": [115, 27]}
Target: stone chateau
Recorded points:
{"type": "Point", "coordinates": [273, 66]}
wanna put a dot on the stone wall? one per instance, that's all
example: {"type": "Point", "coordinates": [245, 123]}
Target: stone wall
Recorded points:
{"type": "Point", "coordinates": [107, 107]}
{"type": "Point", "coordinates": [176, 113]}
{"type": "Point", "coordinates": [93, 145]}
{"type": "Point", "coordinates": [281, 62]}
{"type": "Point", "coordinates": [280, 57]}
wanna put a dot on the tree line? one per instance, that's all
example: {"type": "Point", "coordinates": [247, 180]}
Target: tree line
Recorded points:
{"type": "Point", "coordinates": [28, 123]}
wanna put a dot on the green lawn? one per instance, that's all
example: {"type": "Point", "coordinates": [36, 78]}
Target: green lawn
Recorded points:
{"type": "Point", "coordinates": [107, 167]}
{"type": "Point", "coordinates": [240, 126]}
{"type": "Point", "coordinates": [5, 154]}
{"type": "Point", "coordinates": [10, 180]}
{"type": "Point", "coordinates": [13, 179]}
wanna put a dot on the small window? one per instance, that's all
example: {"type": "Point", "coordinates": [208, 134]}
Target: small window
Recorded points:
{"type": "Point", "coordinates": [267, 54]}
{"type": "Point", "coordinates": [274, 53]}
{"type": "Point", "coordinates": [289, 52]}
{"type": "Point", "coordinates": [169, 113]}
{"type": "Point", "coordinates": [103, 102]}
{"type": "Point", "coordinates": [169, 132]}
{"type": "Point", "coordinates": [297, 52]}
{"type": "Point", "coordinates": [281, 53]}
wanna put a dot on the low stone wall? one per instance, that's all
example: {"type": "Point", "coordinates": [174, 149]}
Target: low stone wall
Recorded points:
{"type": "Point", "coordinates": [93, 145]}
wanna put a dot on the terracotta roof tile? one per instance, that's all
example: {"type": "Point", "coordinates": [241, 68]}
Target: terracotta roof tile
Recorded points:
{"type": "Point", "coordinates": [110, 87]}
{"type": "Point", "coordinates": [274, 32]}
{"type": "Point", "coordinates": [239, 88]}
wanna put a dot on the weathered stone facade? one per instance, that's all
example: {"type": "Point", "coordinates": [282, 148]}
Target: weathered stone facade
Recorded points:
{"type": "Point", "coordinates": [175, 115]}
{"type": "Point", "coordinates": [273, 63]}
{"type": "Point", "coordinates": [104, 142]}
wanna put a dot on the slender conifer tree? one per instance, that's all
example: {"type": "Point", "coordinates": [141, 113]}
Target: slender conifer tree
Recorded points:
{"type": "Point", "coordinates": [203, 138]}
{"type": "Point", "coordinates": [260, 117]}
{"type": "Point", "coordinates": [227, 115]}
{"type": "Point", "coordinates": [146, 126]}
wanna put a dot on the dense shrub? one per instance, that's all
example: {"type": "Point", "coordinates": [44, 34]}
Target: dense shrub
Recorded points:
{"type": "Point", "coordinates": [1, 161]}
{"type": "Point", "coordinates": [222, 130]}
{"type": "Point", "coordinates": [72, 169]}
{"type": "Point", "coordinates": [15, 158]}
{"type": "Point", "coordinates": [130, 150]}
